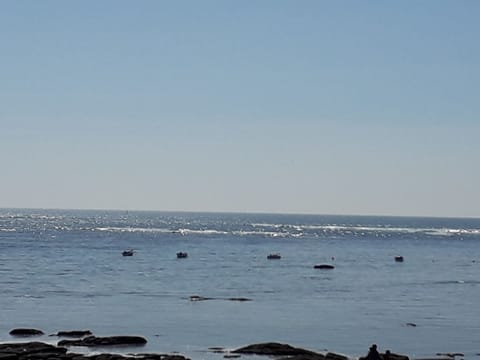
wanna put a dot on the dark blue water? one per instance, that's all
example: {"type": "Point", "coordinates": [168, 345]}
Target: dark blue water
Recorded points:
{"type": "Point", "coordinates": [63, 270]}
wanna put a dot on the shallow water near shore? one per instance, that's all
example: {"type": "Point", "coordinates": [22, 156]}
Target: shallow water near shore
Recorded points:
{"type": "Point", "coordinates": [63, 270]}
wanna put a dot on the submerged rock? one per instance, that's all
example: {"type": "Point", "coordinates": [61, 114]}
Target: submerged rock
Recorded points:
{"type": "Point", "coordinates": [26, 332]}
{"type": "Point", "coordinates": [91, 341]}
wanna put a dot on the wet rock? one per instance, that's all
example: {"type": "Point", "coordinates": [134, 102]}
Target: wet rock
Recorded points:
{"type": "Point", "coordinates": [8, 356]}
{"type": "Point", "coordinates": [42, 351]}
{"type": "Point", "coordinates": [278, 349]}
{"type": "Point", "coordinates": [199, 298]}
{"type": "Point", "coordinates": [160, 357]}
{"type": "Point", "coordinates": [335, 356]}
{"type": "Point", "coordinates": [393, 356]}
{"type": "Point", "coordinates": [304, 357]}
{"type": "Point", "coordinates": [30, 349]}
{"type": "Point", "coordinates": [324, 266]}
{"type": "Point", "coordinates": [91, 341]}
{"type": "Point", "coordinates": [452, 355]}
{"type": "Point", "coordinates": [73, 333]}
{"type": "Point", "coordinates": [26, 332]}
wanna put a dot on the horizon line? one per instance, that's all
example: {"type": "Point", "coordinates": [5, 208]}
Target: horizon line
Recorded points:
{"type": "Point", "coordinates": [241, 212]}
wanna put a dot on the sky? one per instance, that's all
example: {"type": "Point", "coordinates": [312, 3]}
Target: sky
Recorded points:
{"type": "Point", "coordinates": [322, 107]}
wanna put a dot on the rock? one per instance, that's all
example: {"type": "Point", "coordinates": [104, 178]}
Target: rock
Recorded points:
{"type": "Point", "coordinates": [30, 348]}
{"type": "Point", "coordinates": [73, 333]}
{"type": "Point", "coordinates": [199, 298]}
{"type": "Point", "coordinates": [411, 324]}
{"type": "Point", "coordinates": [26, 332]}
{"type": "Point", "coordinates": [8, 356]}
{"type": "Point", "coordinates": [334, 356]}
{"type": "Point", "coordinates": [42, 351]}
{"type": "Point", "coordinates": [452, 355]}
{"type": "Point", "coordinates": [304, 357]}
{"type": "Point", "coordinates": [277, 349]}
{"type": "Point", "coordinates": [91, 341]}
{"type": "Point", "coordinates": [393, 356]}
{"type": "Point", "coordinates": [324, 266]}
{"type": "Point", "coordinates": [159, 357]}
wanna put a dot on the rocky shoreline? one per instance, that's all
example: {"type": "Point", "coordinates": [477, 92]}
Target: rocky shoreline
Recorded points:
{"type": "Point", "coordinates": [36, 350]}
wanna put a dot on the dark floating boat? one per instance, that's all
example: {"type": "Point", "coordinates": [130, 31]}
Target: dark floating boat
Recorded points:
{"type": "Point", "coordinates": [324, 266]}
{"type": "Point", "coordinates": [274, 257]}
{"type": "Point", "coordinates": [127, 253]}
{"type": "Point", "coordinates": [182, 255]}
{"type": "Point", "coordinates": [399, 258]}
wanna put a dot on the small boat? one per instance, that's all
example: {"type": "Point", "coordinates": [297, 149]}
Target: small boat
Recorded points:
{"type": "Point", "coordinates": [182, 255]}
{"type": "Point", "coordinates": [399, 258]}
{"type": "Point", "coordinates": [274, 256]}
{"type": "Point", "coordinates": [324, 266]}
{"type": "Point", "coordinates": [127, 252]}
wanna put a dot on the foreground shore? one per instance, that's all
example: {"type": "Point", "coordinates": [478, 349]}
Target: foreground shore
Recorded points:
{"type": "Point", "coordinates": [68, 340]}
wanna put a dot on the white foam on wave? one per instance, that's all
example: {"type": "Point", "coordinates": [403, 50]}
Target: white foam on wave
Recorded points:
{"type": "Point", "coordinates": [133, 229]}
{"type": "Point", "coordinates": [298, 230]}
{"type": "Point", "coordinates": [385, 229]}
{"type": "Point", "coordinates": [200, 232]}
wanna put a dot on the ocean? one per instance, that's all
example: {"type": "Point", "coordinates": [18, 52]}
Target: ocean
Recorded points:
{"type": "Point", "coordinates": [63, 270]}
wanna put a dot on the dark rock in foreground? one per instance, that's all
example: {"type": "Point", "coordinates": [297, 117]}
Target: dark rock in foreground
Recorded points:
{"type": "Point", "coordinates": [390, 356]}
{"type": "Point", "coordinates": [26, 332]}
{"type": "Point", "coordinates": [38, 349]}
{"type": "Point", "coordinates": [42, 351]}
{"type": "Point", "coordinates": [157, 357]}
{"type": "Point", "coordinates": [279, 350]}
{"type": "Point", "coordinates": [73, 333]}
{"type": "Point", "coordinates": [91, 341]}
{"type": "Point", "coordinates": [334, 356]}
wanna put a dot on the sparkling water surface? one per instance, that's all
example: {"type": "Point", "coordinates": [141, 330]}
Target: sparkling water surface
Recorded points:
{"type": "Point", "coordinates": [63, 270]}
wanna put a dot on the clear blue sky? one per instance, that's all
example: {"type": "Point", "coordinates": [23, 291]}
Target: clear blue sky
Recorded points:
{"type": "Point", "coordinates": [338, 107]}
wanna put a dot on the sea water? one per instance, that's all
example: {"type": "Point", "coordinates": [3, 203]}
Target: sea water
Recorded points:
{"type": "Point", "coordinates": [63, 270]}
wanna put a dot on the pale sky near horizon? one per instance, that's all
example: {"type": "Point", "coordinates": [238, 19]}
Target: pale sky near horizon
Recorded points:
{"type": "Point", "coordinates": [328, 107]}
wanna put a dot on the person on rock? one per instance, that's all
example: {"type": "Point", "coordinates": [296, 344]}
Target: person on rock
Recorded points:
{"type": "Point", "coordinates": [373, 353]}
